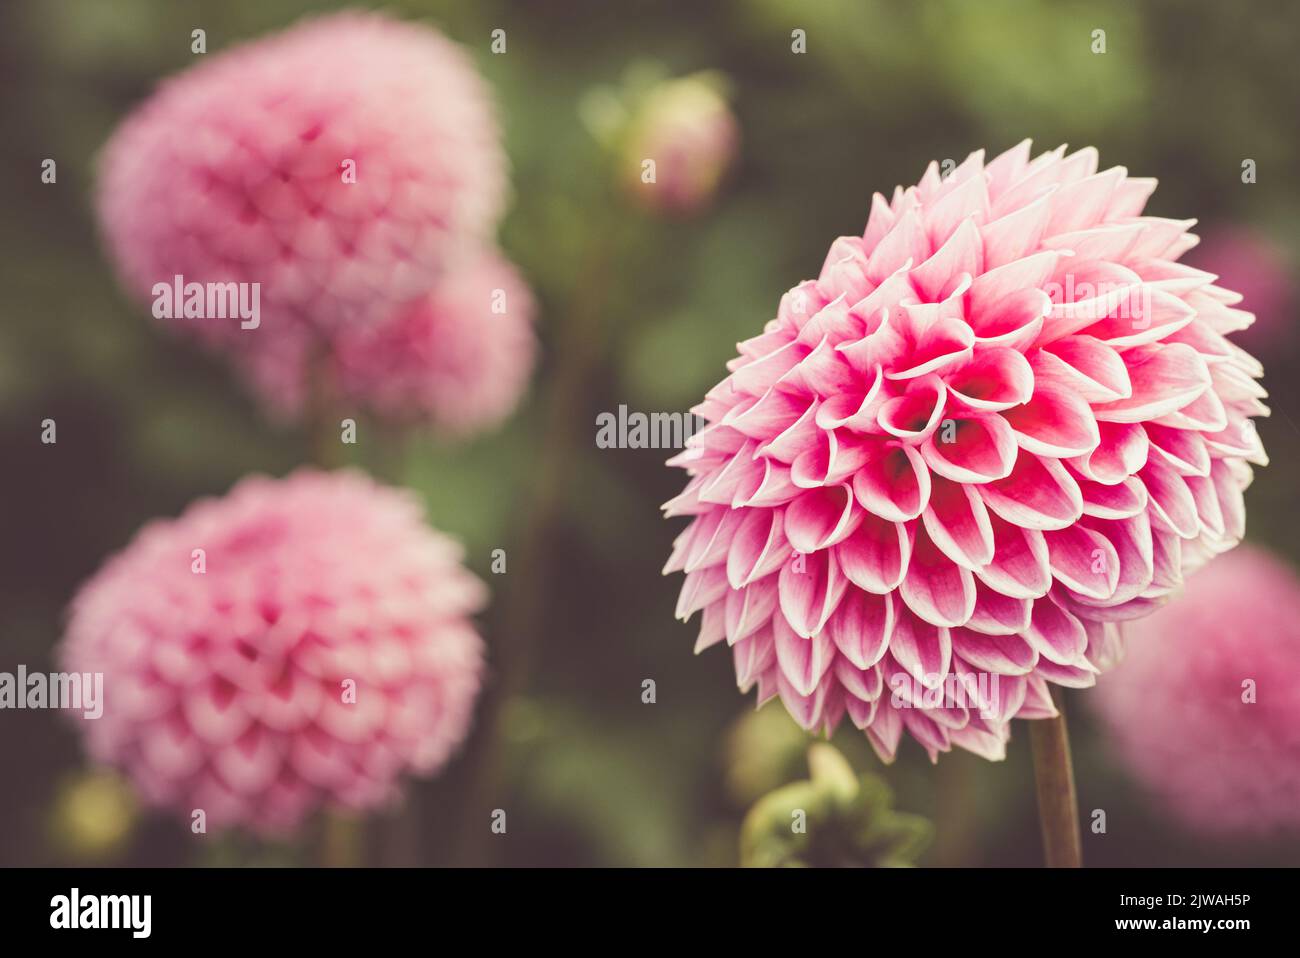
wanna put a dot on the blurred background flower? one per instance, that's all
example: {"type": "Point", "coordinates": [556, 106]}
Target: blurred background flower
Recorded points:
{"type": "Point", "coordinates": [1205, 708]}
{"type": "Point", "coordinates": [298, 643]}
{"type": "Point", "coordinates": [594, 775]}
{"type": "Point", "coordinates": [1253, 264]}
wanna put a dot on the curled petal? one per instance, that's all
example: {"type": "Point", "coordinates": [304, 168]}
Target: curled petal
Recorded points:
{"type": "Point", "coordinates": [894, 485]}
{"type": "Point", "coordinates": [973, 449]}
{"type": "Point", "coordinates": [862, 626]}
{"type": "Point", "coordinates": [1038, 494]}
{"type": "Point", "coordinates": [936, 588]}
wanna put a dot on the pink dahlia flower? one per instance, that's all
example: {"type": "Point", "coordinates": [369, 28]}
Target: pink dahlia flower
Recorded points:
{"type": "Point", "coordinates": [459, 357]}
{"type": "Point", "coordinates": [1253, 265]}
{"type": "Point", "coordinates": [1205, 708]}
{"type": "Point", "coordinates": [319, 647]}
{"type": "Point", "coordinates": [339, 164]}
{"type": "Point", "coordinates": [1002, 420]}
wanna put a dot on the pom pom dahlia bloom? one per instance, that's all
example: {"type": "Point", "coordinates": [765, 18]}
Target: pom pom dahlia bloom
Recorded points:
{"type": "Point", "coordinates": [339, 164]}
{"type": "Point", "coordinates": [459, 357]}
{"type": "Point", "coordinates": [1001, 421]}
{"type": "Point", "coordinates": [227, 673]}
{"type": "Point", "coordinates": [1221, 755]}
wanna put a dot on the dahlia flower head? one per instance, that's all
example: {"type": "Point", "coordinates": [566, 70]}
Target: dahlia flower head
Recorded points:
{"type": "Point", "coordinates": [1001, 421]}
{"type": "Point", "coordinates": [317, 649]}
{"type": "Point", "coordinates": [1205, 710]}
{"type": "Point", "coordinates": [346, 165]}
{"type": "Point", "coordinates": [459, 357]}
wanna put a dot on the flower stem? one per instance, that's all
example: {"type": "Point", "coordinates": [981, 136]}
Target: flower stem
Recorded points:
{"type": "Point", "coordinates": [1058, 806]}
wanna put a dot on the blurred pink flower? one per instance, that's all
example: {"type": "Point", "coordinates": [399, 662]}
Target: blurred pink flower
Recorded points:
{"type": "Point", "coordinates": [686, 127]}
{"type": "Point", "coordinates": [1002, 420]}
{"type": "Point", "coordinates": [342, 165]}
{"type": "Point", "coordinates": [460, 357]}
{"type": "Point", "coordinates": [1205, 708]}
{"type": "Point", "coordinates": [318, 648]}
{"type": "Point", "coordinates": [1250, 263]}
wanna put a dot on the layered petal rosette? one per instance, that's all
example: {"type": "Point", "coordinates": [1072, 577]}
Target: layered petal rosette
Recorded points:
{"type": "Point", "coordinates": [1002, 420]}
{"type": "Point", "coordinates": [298, 643]}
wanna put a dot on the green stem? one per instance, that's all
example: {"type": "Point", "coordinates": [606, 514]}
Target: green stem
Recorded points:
{"type": "Point", "coordinates": [1058, 806]}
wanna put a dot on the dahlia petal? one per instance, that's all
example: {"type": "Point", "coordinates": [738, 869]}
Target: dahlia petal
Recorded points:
{"type": "Point", "coordinates": [1119, 501]}
{"type": "Point", "coordinates": [713, 624]}
{"type": "Point", "coordinates": [748, 609]}
{"type": "Point", "coordinates": [1186, 452]}
{"type": "Point", "coordinates": [904, 243]}
{"type": "Point", "coordinates": [1032, 272]}
{"type": "Point", "coordinates": [803, 661]}
{"type": "Point", "coordinates": [758, 547]}
{"type": "Point", "coordinates": [701, 588]}
{"type": "Point", "coordinates": [885, 732]}
{"type": "Point", "coordinates": [1019, 568]}
{"type": "Point", "coordinates": [772, 487]}
{"type": "Point", "coordinates": [811, 587]}
{"type": "Point", "coordinates": [1016, 234]}
{"type": "Point", "coordinates": [895, 485]}
{"type": "Point", "coordinates": [915, 414]}
{"type": "Point", "coordinates": [773, 413]}
{"type": "Point", "coordinates": [923, 650]}
{"type": "Point", "coordinates": [1056, 635]}
{"type": "Point", "coordinates": [1086, 366]}
{"type": "Point", "coordinates": [876, 555]}
{"type": "Point", "coordinates": [993, 379]}
{"type": "Point", "coordinates": [758, 376]}
{"type": "Point", "coordinates": [958, 523]}
{"type": "Point", "coordinates": [1082, 676]}
{"type": "Point", "coordinates": [999, 654]}
{"type": "Point", "coordinates": [936, 588]}
{"type": "Point", "coordinates": [1165, 379]}
{"type": "Point", "coordinates": [752, 656]}
{"type": "Point", "coordinates": [1038, 494]}
{"type": "Point", "coordinates": [795, 439]}
{"type": "Point", "coordinates": [864, 685]}
{"type": "Point", "coordinates": [862, 626]}
{"type": "Point", "coordinates": [1038, 700]}
{"type": "Point", "coordinates": [1121, 452]}
{"type": "Point", "coordinates": [975, 449]}
{"type": "Point", "coordinates": [998, 614]}
{"type": "Point", "coordinates": [1014, 321]}
{"type": "Point", "coordinates": [1054, 422]}
{"type": "Point", "coordinates": [822, 517]}
{"type": "Point", "coordinates": [1172, 504]}
{"type": "Point", "coordinates": [1083, 561]}
{"type": "Point", "coordinates": [961, 253]}
{"type": "Point", "coordinates": [806, 710]}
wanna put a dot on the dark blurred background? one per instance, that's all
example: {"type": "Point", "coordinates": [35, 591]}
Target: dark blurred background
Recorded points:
{"type": "Point", "coordinates": [634, 309]}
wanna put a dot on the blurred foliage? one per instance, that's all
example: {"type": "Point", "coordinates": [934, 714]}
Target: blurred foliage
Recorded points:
{"type": "Point", "coordinates": [832, 820]}
{"type": "Point", "coordinates": [593, 775]}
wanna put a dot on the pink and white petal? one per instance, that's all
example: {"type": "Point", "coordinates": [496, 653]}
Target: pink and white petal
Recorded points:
{"type": "Point", "coordinates": [894, 485]}
{"type": "Point", "coordinates": [1055, 634]}
{"type": "Point", "coordinates": [958, 523]}
{"type": "Point", "coordinates": [862, 626]}
{"type": "Point", "coordinates": [1038, 494]}
{"type": "Point", "coordinates": [973, 449]}
{"type": "Point", "coordinates": [936, 588]}
{"type": "Point", "coordinates": [1020, 566]}
{"type": "Point", "coordinates": [876, 555]}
